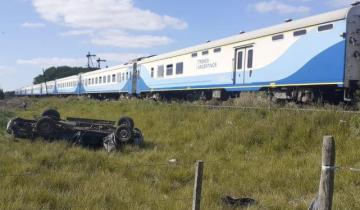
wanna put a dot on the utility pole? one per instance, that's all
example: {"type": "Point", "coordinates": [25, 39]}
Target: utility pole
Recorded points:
{"type": "Point", "coordinates": [99, 60]}
{"type": "Point", "coordinates": [90, 63]}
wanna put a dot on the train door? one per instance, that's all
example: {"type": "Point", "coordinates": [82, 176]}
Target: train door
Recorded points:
{"type": "Point", "coordinates": [243, 64]}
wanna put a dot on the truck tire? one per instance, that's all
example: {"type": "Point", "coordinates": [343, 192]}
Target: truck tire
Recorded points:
{"type": "Point", "coordinates": [52, 113]}
{"type": "Point", "coordinates": [45, 126]}
{"type": "Point", "coordinates": [10, 126]}
{"type": "Point", "coordinates": [123, 133]}
{"type": "Point", "coordinates": [128, 121]}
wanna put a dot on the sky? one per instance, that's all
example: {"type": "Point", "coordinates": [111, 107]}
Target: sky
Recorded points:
{"type": "Point", "coordinates": [37, 34]}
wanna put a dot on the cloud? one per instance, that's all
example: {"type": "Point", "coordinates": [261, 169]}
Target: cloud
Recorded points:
{"type": "Point", "coordinates": [119, 57]}
{"type": "Point", "coordinates": [54, 61]}
{"type": "Point", "coordinates": [121, 14]}
{"type": "Point", "coordinates": [278, 7]}
{"type": "Point", "coordinates": [124, 40]}
{"type": "Point", "coordinates": [33, 25]}
{"type": "Point", "coordinates": [97, 18]}
{"type": "Point", "coordinates": [6, 71]}
{"type": "Point", "coordinates": [340, 3]}
{"type": "Point", "coordinates": [77, 33]}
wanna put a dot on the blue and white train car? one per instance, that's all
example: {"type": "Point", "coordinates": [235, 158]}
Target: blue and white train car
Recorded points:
{"type": "Point", "coordinates": [305, 60]}
{"type": "Point", "coordinates": [68, 86]}
{"type": "Point", "coordinates": [114, 80]}
{"type": "Point", "coordinates": [36, 90]}
{"type": "Point", "coordinates": [316, 55]}
{"type": "Point", "coordinates": [50, 88]}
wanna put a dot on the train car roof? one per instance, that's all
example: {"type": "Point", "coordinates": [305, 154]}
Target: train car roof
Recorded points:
{"type": "Point", "coordinates": [105, 70]}
{"type": "Point", "coordinates": [66, 78]}
{"type": "Point", "coordinates": [288, 26]}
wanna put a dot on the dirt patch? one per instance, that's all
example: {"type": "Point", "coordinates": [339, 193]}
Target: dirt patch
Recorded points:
{"type": "Point", "coordinates": [13, 103]}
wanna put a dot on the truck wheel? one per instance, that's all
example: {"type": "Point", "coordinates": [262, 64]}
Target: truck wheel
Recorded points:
{"type": "Point", "coordinates": [126, 121]}
{"type": "Point", "coordinates": [10, 126]}
{"type": "Point", "coordinates": [45, 126]}
{"type": "Point", "coordinates": [52, 113]}
{"type": "Point", "coordinates": [123, 133]}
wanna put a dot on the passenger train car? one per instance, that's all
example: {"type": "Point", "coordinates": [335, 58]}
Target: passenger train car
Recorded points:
{"type": "Point", "coordinates": [305, 60]}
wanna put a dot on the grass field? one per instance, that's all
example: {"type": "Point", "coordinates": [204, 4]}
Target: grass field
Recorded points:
{"type": "Point", "coordinates": [271, 156]}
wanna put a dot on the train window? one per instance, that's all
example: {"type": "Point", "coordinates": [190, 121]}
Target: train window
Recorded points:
{"type": "Point", "coordinates": [123, 77]}
{"type": "Point", "coordinates": [300, 32]}
{"type": "Point", "coordinates": [160, 72]}
{"type": "Point", "coordinates": [96, 80]}
{"type": "Point", "coordinates": [250, 56]}
{"type": "Point", "coordinates": [92, 81]}
{"type": "Point", "coordinates": [278, 37]}
{"type": "Point", "coordinates": [118, 75]}
{"type": "Point", "coordinates": [217, 50]}
{"type": "Point", "coordinates": [240, 60]}
{"type": "Point", "coordinates": [326, 27]}
{"type": "Point", "coordinates": [89, 82]}
{"type": "Point", "coordinates": [104, 79]}
{"type": "Point", "coordinates": [169, 70]}
{"type": "Point", "coordinates": [194, 55]}
{"type": "Point", "coordinates": [152, 72]}
{"type": "Point", "coordinates": [113, 78]}
{"type": "Point", "coordinates": [127, 75]}
{"type": "Point", "coordinates": [109, 78]}
{"type": "Point", "coordinates": [206, 52]}
{"type": "Point", "coordinates": [100, 80]}
{"type": "Point", "coordinates": [180, 68]}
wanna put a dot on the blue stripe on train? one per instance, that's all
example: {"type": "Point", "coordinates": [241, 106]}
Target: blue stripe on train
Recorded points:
{"type": "Point", "coordinates": [327, 67]}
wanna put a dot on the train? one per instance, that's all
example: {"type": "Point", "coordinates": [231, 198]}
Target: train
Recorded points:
{"type": "Point", "coordinates": [311, 59]}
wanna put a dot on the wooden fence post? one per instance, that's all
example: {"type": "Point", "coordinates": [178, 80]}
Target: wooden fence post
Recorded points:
{"type": "Point", "coordinates": [326, 187]}
{"type": "Point", "coordinates": [199, 169]}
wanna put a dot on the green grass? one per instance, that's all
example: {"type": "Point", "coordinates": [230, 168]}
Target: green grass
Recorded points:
{"type": "Point", "coordinates": [271, 156]}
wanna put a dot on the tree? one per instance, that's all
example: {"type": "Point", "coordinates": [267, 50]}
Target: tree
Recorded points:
{"type": "Point", "coordinates": [2, 94]}
{"type": "Point", "coordinates": [53, 73]}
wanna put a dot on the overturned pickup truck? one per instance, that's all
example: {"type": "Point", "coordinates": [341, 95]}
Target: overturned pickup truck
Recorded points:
{"type": "Point", "coordinates": [88, 133]}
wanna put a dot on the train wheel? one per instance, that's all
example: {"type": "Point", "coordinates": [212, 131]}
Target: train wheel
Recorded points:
{"type": "Point", "coordinates": [126, 121]}
{"type": "Point", "coordinates": [123, 133]}
{"type": "Point", "coordinates": [52, 113]}
{"type": "Point", "coordinates": [45, 126]}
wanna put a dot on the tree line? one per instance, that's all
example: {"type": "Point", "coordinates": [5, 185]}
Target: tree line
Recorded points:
{"type": "Point", "coordinates": [2, 94]}
{"type": "Point", "coordinates": [53, 73]}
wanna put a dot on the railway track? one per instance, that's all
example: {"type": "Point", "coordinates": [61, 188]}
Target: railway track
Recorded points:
{"type": "Point", "coordinates": [271, 108]}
